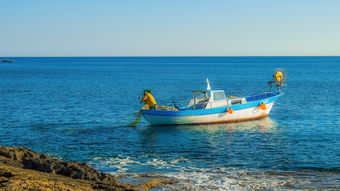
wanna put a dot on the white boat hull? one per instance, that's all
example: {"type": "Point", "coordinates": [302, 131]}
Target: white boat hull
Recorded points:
{"type": "Point", "coordinates": [237, 115]}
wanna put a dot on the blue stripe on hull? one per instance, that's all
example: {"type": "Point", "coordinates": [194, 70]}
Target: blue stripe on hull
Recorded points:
{"type": "Point", "coordinates": [210, 111]}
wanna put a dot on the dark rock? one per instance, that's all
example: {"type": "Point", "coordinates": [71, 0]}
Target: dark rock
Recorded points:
{"type": "Point", "coordinates": [6, 174]}
{"type": "Point", "coordinates": [24, 163]}
{"type": "Point", "coordinates": [28, 159]}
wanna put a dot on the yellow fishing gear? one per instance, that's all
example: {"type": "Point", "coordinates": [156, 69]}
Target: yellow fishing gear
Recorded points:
{"type": "Point", "coordinates": [161, 107]}
{"type": "Point", "coordinates": [166, 108]}
{"type": "Point", "coordinates": [278, 76]}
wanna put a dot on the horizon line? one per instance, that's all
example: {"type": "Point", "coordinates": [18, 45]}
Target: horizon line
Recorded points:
{"type": "Point", "coordinates": [154, 56]}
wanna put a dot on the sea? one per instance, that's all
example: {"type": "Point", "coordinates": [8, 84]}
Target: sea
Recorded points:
{"type": "Point", "coordinates": [79, 108]}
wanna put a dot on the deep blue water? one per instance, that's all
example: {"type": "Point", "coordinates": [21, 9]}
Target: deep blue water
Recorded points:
{"type": "Point", "coordinates": [79, 108]}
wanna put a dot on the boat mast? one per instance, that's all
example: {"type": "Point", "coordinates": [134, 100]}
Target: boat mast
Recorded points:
{"type": "Point", "coordinates": [208, 85]}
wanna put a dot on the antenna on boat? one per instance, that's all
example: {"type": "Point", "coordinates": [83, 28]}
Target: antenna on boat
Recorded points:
{"type": "Point", "coordinates": [279, 78]}
{"type": "Point", "coordinates": [208, 85]}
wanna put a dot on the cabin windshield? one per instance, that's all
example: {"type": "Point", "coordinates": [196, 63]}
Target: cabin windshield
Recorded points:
{"type": "Point", "coordinates": [219, 96]}
{"type": "Point", "coordinates": [199, 100]}
{"type": "Point", "coordinates": [200, 95]}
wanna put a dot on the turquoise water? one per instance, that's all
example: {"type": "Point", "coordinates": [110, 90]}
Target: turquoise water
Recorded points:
{"type": "Point", "coordinates": [79, 108]}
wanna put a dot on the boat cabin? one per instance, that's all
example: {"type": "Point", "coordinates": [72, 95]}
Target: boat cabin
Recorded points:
{"type": "Point", "coordinates": [212, 99]}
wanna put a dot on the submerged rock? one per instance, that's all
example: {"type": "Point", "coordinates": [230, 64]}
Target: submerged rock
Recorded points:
{"type": "Point", "coordinates": [154, 183]}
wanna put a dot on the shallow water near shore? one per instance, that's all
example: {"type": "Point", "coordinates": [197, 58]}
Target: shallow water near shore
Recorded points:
{"type": "Point", "coordinates": [79, 108]}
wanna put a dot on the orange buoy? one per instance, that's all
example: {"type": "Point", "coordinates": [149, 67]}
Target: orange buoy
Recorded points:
{"type": "Point", "coordinates": [230, 111]}
{"type": "Point", "coordinates": [262, 106]}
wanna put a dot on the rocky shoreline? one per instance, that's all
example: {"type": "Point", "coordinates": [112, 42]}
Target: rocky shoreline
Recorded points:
{"type": "Point", "coordinates": [24, 169]}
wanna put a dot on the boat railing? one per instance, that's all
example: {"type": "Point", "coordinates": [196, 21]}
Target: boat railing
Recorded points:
{"type": "Point", "coordinates": [260, 96]}
{"type": "Point", "coordinates": [194, 104]}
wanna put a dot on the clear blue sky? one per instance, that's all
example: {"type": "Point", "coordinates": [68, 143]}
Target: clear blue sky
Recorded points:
{"type": "Point", "coordinates": [169, 27]}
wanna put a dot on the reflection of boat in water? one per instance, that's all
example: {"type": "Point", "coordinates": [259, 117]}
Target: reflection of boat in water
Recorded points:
{"type": "Point", "coordinates": [261, 125]}
{"type": "Point", "coordinates": [6, 60]}
{"type": "Point", "coordinates": [213, 106]}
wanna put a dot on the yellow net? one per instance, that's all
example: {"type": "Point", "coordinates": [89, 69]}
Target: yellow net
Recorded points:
{"type": "Point", "coordinates": [165, 108]}
{"type": "Point", "coordinates": [161, 107]}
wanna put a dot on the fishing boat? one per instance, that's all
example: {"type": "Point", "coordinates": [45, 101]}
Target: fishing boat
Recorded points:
{"type": "Point", "coordinates": [6, 60]}
{"type": "Point", "coordinates": [212, 106]}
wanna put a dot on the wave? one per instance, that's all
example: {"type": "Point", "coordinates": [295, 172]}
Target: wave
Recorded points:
{"type": "Point", "coordinates": [194, 178]}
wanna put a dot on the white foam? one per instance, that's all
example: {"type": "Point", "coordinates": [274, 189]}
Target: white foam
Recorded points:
{"type": "Point", "coordinates": [122, 163]}
{"type": "Point", "coordinates": [194, 178]}
{"type": "Point", "coordinates": [251, 179]}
